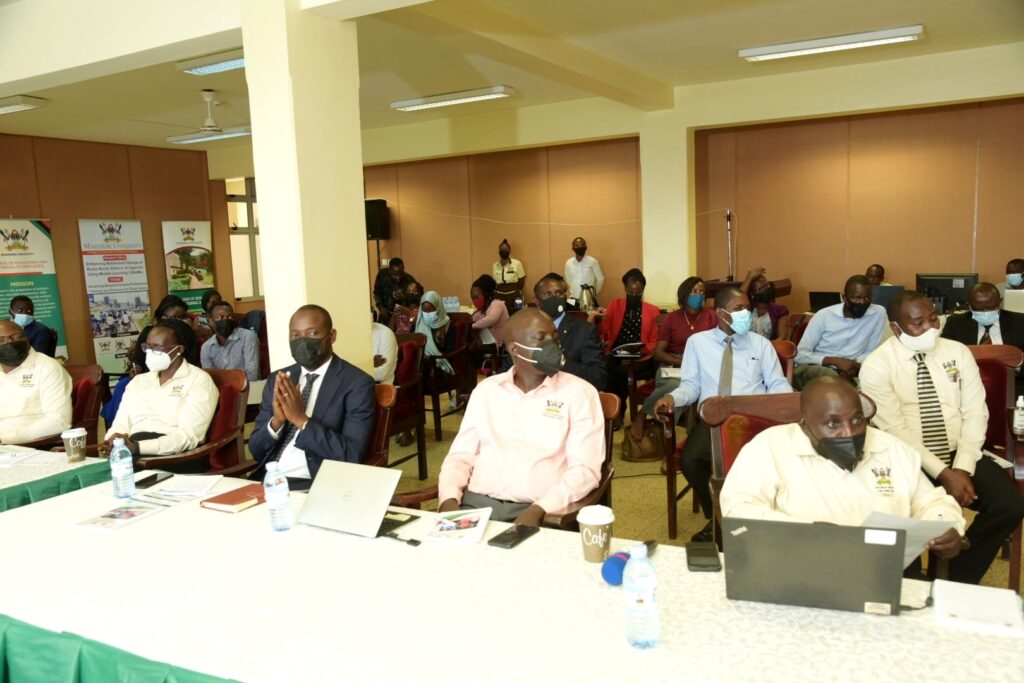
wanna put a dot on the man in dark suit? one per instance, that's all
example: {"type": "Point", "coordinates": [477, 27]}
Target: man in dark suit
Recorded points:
{"type": "Point", "coordinates": [321, 408]}
{"type": "Point", "coordinates": [581, 342]}
{"type": "Point", "coordinates": [987, 323]}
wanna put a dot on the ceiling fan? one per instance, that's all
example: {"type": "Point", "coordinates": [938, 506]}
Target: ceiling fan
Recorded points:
{"type": "Point", "coordinates": [210, 130]}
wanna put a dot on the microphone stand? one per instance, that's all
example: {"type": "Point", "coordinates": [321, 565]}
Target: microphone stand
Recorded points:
{"type": "Point", "coordinates": [728, 243]}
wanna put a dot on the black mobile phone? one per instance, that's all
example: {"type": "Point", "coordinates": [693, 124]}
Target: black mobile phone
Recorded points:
{"type": "Point", "coordinates": [513, 536]}
{"type": "Point", "coordinates": [152, 479]}
{"type": "Point", "coordinates": [702, 557]}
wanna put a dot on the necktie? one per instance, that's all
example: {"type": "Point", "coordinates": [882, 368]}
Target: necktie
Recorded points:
{"type": "Point", "coordinates": [933, 429]}
{"type": "Point", "coordinates": [725, 376]}
{"type": "Point", "coordinates": [986, 338]}
{"type": "Point", "coordinates": [289, 430]}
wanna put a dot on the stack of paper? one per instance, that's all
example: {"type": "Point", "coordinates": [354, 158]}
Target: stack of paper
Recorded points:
{"type": "Point", "coordinates": [126, 514]}
{"type": "Point", "coordinates": [190, 486]}
{"type": "Point", "coordinates": [10, 459]}
{"type": "Point", "coordinates": [996, 611]}
{"type": "Point", "coordinates": [460, 526]}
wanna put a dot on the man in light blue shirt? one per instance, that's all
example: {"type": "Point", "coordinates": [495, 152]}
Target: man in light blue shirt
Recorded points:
{"type": "Point", "coordinates": [748, 362]}
{"type": "Point", "coordinates": [840, 337]}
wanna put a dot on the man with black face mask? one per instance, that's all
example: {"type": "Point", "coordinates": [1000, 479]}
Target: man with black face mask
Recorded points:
{"type": "Point", "coordinates": [832, 467]}
{"type": "Point", "coordinates": [840, 337]}
{"type": "Point", "coordinates": [36, 390]}
{"type": "Point", "coordinates": [232, 347]}
{"type": "Point", "coordinates": [532, 439]}
{"type": "Point", "coordinates": [582, 270]}
{"type": "Point", "coordinates": [320, 408]}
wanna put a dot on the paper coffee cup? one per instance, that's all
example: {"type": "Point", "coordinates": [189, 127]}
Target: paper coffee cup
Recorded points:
{"type": "Point", "coordinates": [595, 531]}
{"type": "Point", "coordinates": [74, 443]}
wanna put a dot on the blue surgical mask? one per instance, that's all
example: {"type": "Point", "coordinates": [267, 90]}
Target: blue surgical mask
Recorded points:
{"type": "Point", "coordinates": [741, 321]}
{"type": "Point", "coordinates": [428, 316]}
{"type": "Point", "coordinates": [985, 318]}
{"type": "Point", "coordinates": [1014, 279]}
{"type": "Point", "coordinates": [23, 319]}
{"type": "Point", "coordinates": [695, 301]}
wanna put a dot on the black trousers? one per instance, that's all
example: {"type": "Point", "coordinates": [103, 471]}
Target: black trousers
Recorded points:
{"type": "Point", "coordinates": [695, 462]}
{"type": "Point", "coordinates": [618, 378]}
{"type": "Point", "coordinates": [1000, 508]}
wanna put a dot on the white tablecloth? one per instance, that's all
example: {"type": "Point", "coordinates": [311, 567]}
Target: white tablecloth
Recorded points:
{"type": "Point", "coordinates": [39, 464]}
{"type": "Point", "coordinates": [223, 594]}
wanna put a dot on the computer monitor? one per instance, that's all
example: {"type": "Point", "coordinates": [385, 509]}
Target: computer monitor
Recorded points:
{"type": "Point", "coordinates": [948, 291]}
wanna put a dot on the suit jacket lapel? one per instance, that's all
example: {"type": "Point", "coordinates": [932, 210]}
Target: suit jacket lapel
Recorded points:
{"type": "Point", "coordinates": [328, 388]}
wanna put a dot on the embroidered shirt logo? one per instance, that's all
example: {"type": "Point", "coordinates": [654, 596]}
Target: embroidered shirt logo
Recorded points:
{"type": "Point", "coordinates": [883, 481]}
{"type": "Point", "coordinates": [952, 372]}
{"type": "Point", "coordinates": [26, 380]}
{"type": "Point", "coordinates": [554, 409]}
{"type": "Point", "coordinates": [177, 391]}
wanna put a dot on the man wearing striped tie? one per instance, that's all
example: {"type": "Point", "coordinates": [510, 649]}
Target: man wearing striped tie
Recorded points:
{"type": "Point", "coordinates": [929, 393]}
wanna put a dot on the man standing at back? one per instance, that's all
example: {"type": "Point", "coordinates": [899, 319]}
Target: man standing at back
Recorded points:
{"type": "Point", "coordinates": [321, 408]}
{"type": "Point", "coordinates": [840, 337]}
{"type": "Point", "coordinates": [583, 271]}
{"type": "Point", "coordinates": [929, 394]}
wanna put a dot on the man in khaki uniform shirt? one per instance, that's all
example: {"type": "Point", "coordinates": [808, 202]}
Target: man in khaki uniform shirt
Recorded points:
{"type": "Point", "coordinates": [36, 390]}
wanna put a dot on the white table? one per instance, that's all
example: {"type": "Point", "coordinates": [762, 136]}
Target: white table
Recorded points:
{"type": "Point", "coordinates": [224, 595]}
{"type": "Point", "coordinates": [39, 464]}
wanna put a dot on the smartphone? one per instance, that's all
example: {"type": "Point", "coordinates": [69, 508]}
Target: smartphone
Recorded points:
{"type": "Point", "coordinates": [702, 557]}
{"type": "Point", "coordinates": [152, 479]}
{"type": "Point", "coordinates": [513, 536]}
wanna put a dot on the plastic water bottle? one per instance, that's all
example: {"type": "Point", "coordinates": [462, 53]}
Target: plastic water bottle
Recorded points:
{"type": "Point", "coordinates": [519, 302]}
{"type": "Point", "coordinates": [1018, 419]}
{"type": "Point", "coordinates": [275, 487]}
{"type": "Point", "coordinates": [122, 470]}
{"type": "Point", "coordinates": [643, 630]}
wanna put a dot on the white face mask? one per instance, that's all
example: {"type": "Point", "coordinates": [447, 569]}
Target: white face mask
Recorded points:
{"type": "Point", "coordinates": [923, 342]}
{"type": "Point", "coordinates": [158, 361]}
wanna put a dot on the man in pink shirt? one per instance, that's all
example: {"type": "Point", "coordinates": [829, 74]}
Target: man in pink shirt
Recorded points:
{"type": "Point", "coordinates": [532, 439]}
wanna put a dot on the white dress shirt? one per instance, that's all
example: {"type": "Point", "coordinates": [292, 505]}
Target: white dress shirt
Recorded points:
{"type": "Point", "coordinates": [36, 399]}
{"type": "Point", "coordinates": [386, 345]}
{"type": "Point", "coordinates": [586, 271]}
{"type": "Point", "coordinates": [889, 377]}
{"type": "Point", "coordinates": [293, 459]}
{"type": "Point", "coordinates": [779, 476]}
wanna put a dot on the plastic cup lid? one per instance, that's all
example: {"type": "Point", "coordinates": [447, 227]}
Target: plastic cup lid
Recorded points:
{"type": "Point", "coordinates": [595, 514]}
{"type": "Point", "coordinates": [73, 432]}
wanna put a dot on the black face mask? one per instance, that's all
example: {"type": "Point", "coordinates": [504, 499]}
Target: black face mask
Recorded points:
{"type": "Point", "coordinates": [13, 353]}
{"type": "Point", "coordinates": [857, 310]}
{"type": "Point", "coordinates": [633, 301]}
{"type": "Point", "coordinates": [308, 351]}
{"type": "Point", "coordinates": [555, 306]}
{"type": "Point", "coordinates": [764, 296]}
{"type": "Point", "coordinates": [547, 357]}
{"type": "Point", "coordinates": [413, 299]}
{"type": "Point", "coordinates": [504, 254]}
{"type": "Point", "coordinates": [580, 251]}
{"type": "Point", "coordinates": [844, 451]}
{"type": "Point", "coordinates": [224, 327]}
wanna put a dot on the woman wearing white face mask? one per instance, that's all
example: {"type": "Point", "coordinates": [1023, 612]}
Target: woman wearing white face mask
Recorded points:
{"type": "Point", "coordinates": [433, 322]}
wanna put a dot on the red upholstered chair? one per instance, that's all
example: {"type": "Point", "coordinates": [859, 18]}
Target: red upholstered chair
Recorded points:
{"type": "Point", "coordinates": [786, 351]}
{"type": "Point", "coordinates": [437, 382]}
{"type": "Point", "coordinates": [997, 363]}
{"type": "Point", "coordinates": [223, 444]}
{"type": "Point", "coordinates": [380, 438]}
{"type": "Point", "coordinates": [798, 325]}
{"type": "Point", "coordinates": [51, 348]}
{"type": "Point", "coordinates": [408, 413]}
{"type": "Point", "coordinates": [639, 391]}
{"type": "Point", "coordinates": [86, 388]}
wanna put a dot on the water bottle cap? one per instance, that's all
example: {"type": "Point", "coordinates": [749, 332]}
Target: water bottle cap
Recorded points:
{"type": "Point", "coordinates": [1020, 401]}
{"type": "Point", "coordinates": [637, 551]}
{"type": "Point", "coordinates": [118, 442]}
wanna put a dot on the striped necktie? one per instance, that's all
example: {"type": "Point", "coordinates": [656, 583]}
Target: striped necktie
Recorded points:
{"type": "Point", "coordinates": [725, 375]}
{"type": "Point", "coordinates": [933, 429]}
{"type": "Point", "coordinates": [986, 338]}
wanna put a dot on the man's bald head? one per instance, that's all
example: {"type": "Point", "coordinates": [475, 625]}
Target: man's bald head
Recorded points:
{"type": "Point", "coordinates": [831, 407]}
{"type": "Point", "coordinates": [827, 389]}
{"type": "Point", "coordinates": [529, 326]}
{"type": "Point", "coordinates": [9, 328]}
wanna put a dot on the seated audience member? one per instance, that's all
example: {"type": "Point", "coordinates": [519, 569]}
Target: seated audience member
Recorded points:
{"type": "Point", "coordinates": [771, 320]}
{"type": "Point", "coordinates": [508, 272]}
{"type": "Point", "coordinates": [23, 314]}
{"type": "Point", "coordinates": [320, 408]}
{"type": "Point", "coordinates": [582, 350]}
{"type": "Point", "coordinates": [490, 316]}
{"type": "Point", "coordinates": [433, 322]}
{"type": "Point", "coordinates": [385, 354]}
{"type": "Point", "coordinates": [171, 307]}
{"type": "Point", "coordinates": [1014, 276]}
{"type": "Point", "coordinates": [403, 320]}
{"type": "Point", "coordinates": [840, 337]}
{"type": "Point", "coordinates": [832, 467]}
{"type": "Point", "coordinates": [876, 275]}
{"type": "Point", "coordinates": [678, 326]}
{"type": "Point", "coordinates": [929, 394]}
{"type": "Point", "coordinates": [987, 323]}
{"type": "Point", "coordinates": [532, 439]}
{"type": "Point", "coordinates": [389, 289]}
{"type": "Point", "coordinates": [725, 361]}
{"type": "Point", "coordinates": [231, 347]}
{"type": "Point", "coordinates": [168, 409]}
{"type": "Point", "coordinates": [36, 390]}
{"type": "Point", "coordinates": [206, 302]}
{"type": "Point", "coordinates": [629, 320]}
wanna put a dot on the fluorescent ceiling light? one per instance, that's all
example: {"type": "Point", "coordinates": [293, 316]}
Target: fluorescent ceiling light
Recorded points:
{"type": "Point", "coordinates": [461, 97]}
{"type": "Point", "coordinates": [9, 105]}
{"type": "Point", "coordinates": [208, 135]}
{"type": "Point", "coordinates": [213, 64]}
{"type": "Point", "coordinates": [834, 44]}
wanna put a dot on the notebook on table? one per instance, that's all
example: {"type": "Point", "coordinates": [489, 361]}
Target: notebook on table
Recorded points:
{"type": "Point", "coordinates": [354, 499]}
{"type": "Point", "coordinates": [856, 569]}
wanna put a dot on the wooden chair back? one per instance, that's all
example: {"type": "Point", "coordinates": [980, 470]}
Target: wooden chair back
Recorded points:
{"type": "Point", "coordinates": [228, 418]}
{"type": "Point", "coordinates": [408, 413]}
{"type": "Point", "coordinates": [87, 384]}
{"type": "Point", "coordinates": [51, 347]}
{"type": "Point", "coordinates": [798, 325]}
{"type": "Point", "coordinates": [610, 405]}
{"type": "Point", "coordinates": [380, 438]}
{"type": "Point", "coordinates": [996, 363]}
{"type": "Point", "coordinates": [786, 351]}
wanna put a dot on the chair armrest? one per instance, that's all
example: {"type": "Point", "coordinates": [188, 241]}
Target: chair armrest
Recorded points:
{"type": "Point", "coordinates": [414, 499]}
{"type": "Point", "coordinates": [241, 470]}
{"type": "Point", "coordinates": [92, 451]}
{"type": "Point", "coordinates": [151, 461]}
{"type": "Point", "coordinates": [42, 442]}
{"type": "Point", "coordinates": [565, 518]}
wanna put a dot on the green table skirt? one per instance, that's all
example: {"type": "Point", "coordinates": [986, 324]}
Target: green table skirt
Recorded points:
{"type": "Point", "coordinates": [53, 485]}
{"type": "Point", "coordinates": [33, 655]}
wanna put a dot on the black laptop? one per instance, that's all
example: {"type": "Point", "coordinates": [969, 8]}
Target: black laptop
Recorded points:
{"type": "Point", "coordinates": [820, 300]}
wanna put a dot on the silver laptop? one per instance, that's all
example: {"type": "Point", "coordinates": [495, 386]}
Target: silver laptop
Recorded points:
{"type": "Point", "coordinates": [849, 568]}
{"type": "Point", "coordinates": [350, 498]}
{"type": "Point", "coordinates": [1013, 300]}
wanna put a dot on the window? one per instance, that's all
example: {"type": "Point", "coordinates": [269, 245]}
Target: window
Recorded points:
{"type": "Point", "coordinates": [243, 217]}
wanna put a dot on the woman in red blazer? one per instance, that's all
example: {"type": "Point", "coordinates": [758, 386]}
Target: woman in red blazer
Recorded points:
{"type": "Point", "coordinates": [629, 320]}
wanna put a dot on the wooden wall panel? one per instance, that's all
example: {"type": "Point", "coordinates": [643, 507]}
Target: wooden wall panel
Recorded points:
{"type": "Point", "coordinates": [716, 191]}
{"type": "Point", "coordinates": [508, 194]}
{"type": "Point", "coordinates": [19, 193]}
{"type": "Point", "coordinates": [381, 182]}
{"type": "Point", "coordinates": [1001, 187]}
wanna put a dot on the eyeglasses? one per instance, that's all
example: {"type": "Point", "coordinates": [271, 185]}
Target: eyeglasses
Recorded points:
{"type": "Point", "coordinates": [154, 347]}
{"type": "Point", "coordinates": [16, 337]}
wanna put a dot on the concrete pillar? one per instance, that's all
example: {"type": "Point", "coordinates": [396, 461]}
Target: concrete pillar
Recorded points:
{"type": "Point", "coordinates": [303, 75]}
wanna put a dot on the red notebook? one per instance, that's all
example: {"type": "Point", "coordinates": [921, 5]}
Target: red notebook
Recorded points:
{"type": "Point", "coordinates": [237, 500]}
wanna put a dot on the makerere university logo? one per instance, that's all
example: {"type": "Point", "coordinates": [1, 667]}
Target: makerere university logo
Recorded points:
{"type": "Point", "coordinates": [14, 239]}
{"type": "Point", "coordinates": [188, 234]}
{"type": "Point", "coordinates": [111, 232]}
